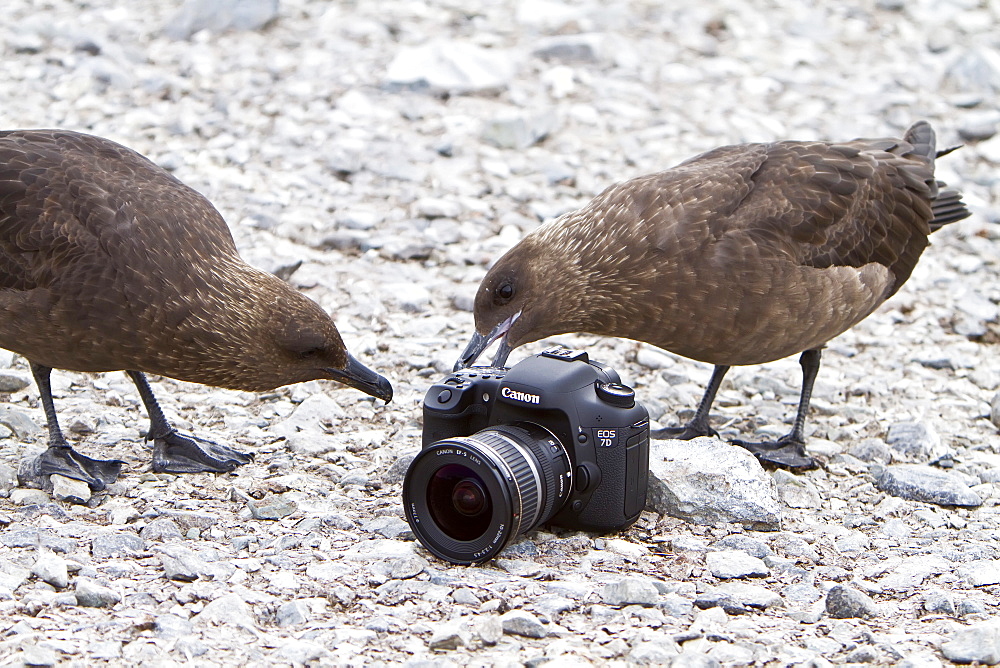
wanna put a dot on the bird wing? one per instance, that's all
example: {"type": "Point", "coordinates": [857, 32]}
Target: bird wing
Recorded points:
{"type": "Point", "coordinates": [72, 205]}
{"type": "Point", "coordinates": [811, 203]}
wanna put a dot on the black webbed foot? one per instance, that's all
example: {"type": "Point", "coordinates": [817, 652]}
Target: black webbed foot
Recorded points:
{"type": "Point", "coordinates": [65, 461]}
{"type": "Point", "coordinates": [685, 433]}
{"type": "Point", "coordinates": [177, 453]}
{"type": "Point", "coordinates": [787, 452]}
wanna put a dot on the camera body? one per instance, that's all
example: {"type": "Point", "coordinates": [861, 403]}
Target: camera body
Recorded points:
{"type": "Point", "coordinates": [577, 430]}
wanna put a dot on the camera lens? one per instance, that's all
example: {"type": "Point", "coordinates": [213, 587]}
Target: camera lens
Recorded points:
{"type": "Point", "coordinates": [467, 497]}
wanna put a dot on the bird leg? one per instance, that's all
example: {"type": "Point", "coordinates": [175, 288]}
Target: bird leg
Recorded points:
{"type": "Point", "coordinates": [177, 453]}
{"type": "Point", "coordinates": [789, 451]}
{"type": "Point", "coordinates": [698, 426]}
{"type": "Point", "coordinates": [60, 458]}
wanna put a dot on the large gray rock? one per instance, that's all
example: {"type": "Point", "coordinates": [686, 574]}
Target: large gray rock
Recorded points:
{"type": "Point", "coordinates": [708, 481]}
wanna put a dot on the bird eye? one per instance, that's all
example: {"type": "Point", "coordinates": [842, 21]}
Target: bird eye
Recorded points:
{"type": "Point", "coordinates": [309, 354]}
{"type": "Point", "coordinates": [505, 292]}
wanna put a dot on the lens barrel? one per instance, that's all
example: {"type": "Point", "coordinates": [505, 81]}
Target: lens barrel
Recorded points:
{"type": "Point", "coordinates": [467, 497]}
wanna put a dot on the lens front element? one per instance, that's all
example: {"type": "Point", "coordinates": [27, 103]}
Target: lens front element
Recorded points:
{"type": "Point", "coordinates": [459, 502]}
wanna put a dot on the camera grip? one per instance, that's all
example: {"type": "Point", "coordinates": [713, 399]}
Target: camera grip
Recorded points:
{"type": "Point", "coordinates": [621, 494]}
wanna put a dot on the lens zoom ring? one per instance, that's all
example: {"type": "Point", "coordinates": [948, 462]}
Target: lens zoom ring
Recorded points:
{"type": "Point", "coordinates": [549, 481]}
{"type": "Point", "coordinates": [524, 478]}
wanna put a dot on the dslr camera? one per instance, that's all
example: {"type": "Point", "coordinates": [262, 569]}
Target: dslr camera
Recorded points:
{"type": "Point", "coordinates": [555, 439]}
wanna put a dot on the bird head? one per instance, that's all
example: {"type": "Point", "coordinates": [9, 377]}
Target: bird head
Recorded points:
{"type": "Point", "coordinates": [527, 295]}
{"type": "Point", "coordinates": [309, 347]}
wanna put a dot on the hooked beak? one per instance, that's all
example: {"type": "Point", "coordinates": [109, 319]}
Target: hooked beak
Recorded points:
{"type": "Point", "coordinates": [479, 343]}
{"type": "Point", "coordinates": [357, 375]}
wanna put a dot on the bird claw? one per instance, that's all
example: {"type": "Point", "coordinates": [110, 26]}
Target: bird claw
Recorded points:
{"type": "Point", "coordinates": [176, 453]}
{"type": "Point", "coordinates": [787, 453]}
{"type": "Point", "coordinates": [65, 461]}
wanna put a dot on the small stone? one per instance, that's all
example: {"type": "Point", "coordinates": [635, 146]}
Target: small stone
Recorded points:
{"type": "Point", "coordinates": [168, 626]}
{"type": "Point", "coordinates": [872, 450]}
{"type": "Point", "coordinates": [916, 482]}
{"type": "Point", "coordinates": [388, 527]}
{"type": "Point", "coordinates": [913, 571]}
{"type": "Point", "coordinates": [18, 422]}
{"type": "Point", "coordinates": [519, 130]}
{"type": "Point", "coordinates": [995, 410]}
{"type": "Point", "coordinates": [296, 652]}
{"type": "Point", "coordinates": [181, 563]}
{"type": "Point", "coordinates": [219, 16]}
{"type": "Point", "coordinates": [309, 416]}
{"type": "Point", "coordinates": [436, 207]}
{"type": "Point", "coordinates": [695, 660]}
{"type": "Point", "coordinates": [975, 644]}
{"type": "Point", "coordinates": [273, 508]}
{"type": "Point", "coordinates": [50, 567]}
{"type": "Point", "coordinates": [938, 603]}
{"type": "Point", "coordinates": [796, 491]}
{"type": "Point", "coordinates": [520, 567]}
{"type": "Point", "coordinates": [161, 529]}
{"type": "Point", "coordinates": [8, 479]}
{"type": "Point", "coordinates": [728, 564]}
{"type": "Point", "coordinates": [750, 595]}
{"type": "Point", "coordinates": [228, 609]}
{"type": "Point", "coordinates": [970, 607]}
{"type": "Point", "coordinates": [745, 543]}
{"type": "Point", "coordinates": [292, 613]}
{"type": "Point", "coordinates": [675, 605]}
{"type": "Point", "coordinates": [913, 440]}
{"type": "Point", "coordinates": [489, 628]}
{"type": "Point", "coordinates": [90, 594]}
{"type": "Point", "coordinates": [23, 496]}
{"type": "Point", "coordinates": [447, 636]}
{"type": "Point", "coordinates": [106, 650]}
{"type": "Point", "coordinates": [630, 591]}
{"type": "Point", "coordinates": [845, 602]}
{"type": "Point", "coordinates": [523, 623]}
{"type": "Point", "coordinates": [452, 66]}
{"type": "Point", "coordinates": [406, 567]}
{"type": "Point", "coordinates": [69, 490]}
{"type": "Point", "coordinates": [657, 652]}
{"type": "Point", "coordinates": [981, 572]}
{"type": "Point", "coordinates": [13, 381]}
{"type": "Point", "coordinates": [110, 545]}
{"type": "Point", "coordinates": [37, 656]}
{"type": "Point", "coordinates": [397, 471]}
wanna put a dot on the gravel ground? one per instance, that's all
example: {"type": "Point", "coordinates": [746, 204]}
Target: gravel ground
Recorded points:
{"type": "Point", "coordinates": [395, 148]}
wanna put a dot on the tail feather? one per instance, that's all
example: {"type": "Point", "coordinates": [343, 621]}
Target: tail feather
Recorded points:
{"type": "Point", "coordinates": [921, 137]}
{"type": "Point", "coordinates": [947, 207]}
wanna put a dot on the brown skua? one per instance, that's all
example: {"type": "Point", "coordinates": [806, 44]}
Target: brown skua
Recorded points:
{"type": "Point", "coordinates": [108, 262]}
{"type": "Point", "coordinates": [742, 255]}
